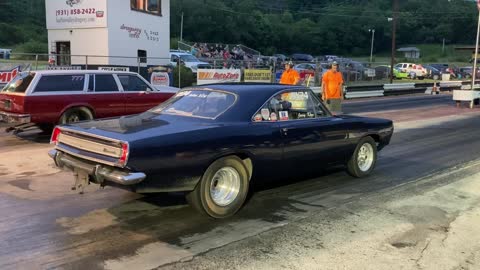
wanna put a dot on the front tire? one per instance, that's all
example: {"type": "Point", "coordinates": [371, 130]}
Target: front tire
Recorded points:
{"type": "Point", "coordinates": [363, 159]}
{"type": "Point", "coordinates": [223, 188]}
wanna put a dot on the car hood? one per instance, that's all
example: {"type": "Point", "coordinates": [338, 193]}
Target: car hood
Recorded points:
{"type": "Point", "coordinates": [141, 126]}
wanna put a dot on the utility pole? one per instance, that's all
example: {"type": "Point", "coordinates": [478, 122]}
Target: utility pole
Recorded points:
{"type": "Point", "coordinates": [394, 32]}
{"type": "Point", "coordinates": [371, 47]}
{"type": "Point", "coordinates": [443, 46]}
{"type": "Point", "coordinates": [181, 28]}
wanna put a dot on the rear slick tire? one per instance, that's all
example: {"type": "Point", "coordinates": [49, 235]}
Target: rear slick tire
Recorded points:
{"type": "Point", "coordinates": [222, 190]}
{"type": "Point", "coordinates": [363, 159]}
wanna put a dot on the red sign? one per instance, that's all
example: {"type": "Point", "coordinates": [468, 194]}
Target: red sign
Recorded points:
{"type": "Point", "coordinates": [7, 76]}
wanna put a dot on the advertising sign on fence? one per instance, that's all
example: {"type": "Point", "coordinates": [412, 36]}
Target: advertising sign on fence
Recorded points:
{"type": "Point", "coordinates": [114, 68]}
{"type": "Point", "coordinates": [71, 14]}
{"type": "Point", "coordinates": [257, 75]}
{"type": "Point", "coordinates": [64, 68]}
{"type": "Point", "coordinates": [160, 79]}
{"type": "Point", "coordinates": [206, 76]}
{"type": "Point", "coordinates": [7, 75]}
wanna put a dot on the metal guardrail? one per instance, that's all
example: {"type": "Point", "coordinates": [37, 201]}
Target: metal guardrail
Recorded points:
{"type": "Point", "coordinates": [364, 94]}
{"type": "Point", "coordinates": [399, 86]}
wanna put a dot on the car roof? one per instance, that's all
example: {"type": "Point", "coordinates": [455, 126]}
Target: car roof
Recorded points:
{"type": "Point", "coordinates": [80, 71]}
{"type": "Point", "coordinates": [250, 96]}
{"type": "Point", "coordinates": [247, 88]}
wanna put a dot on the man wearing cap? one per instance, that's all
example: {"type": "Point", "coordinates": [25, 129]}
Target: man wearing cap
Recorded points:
{"type": "Point", "coordinates": [290, 76]}
{"type": "Point", "coordinates": [332, 90]}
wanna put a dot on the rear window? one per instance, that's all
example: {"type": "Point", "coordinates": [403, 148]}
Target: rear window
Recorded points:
{"type": "Point", "coordinates": [60, 83]}
{"type": "Point", "coordinates": [197, 103]}
{"type": "Point", "coordinates": [20, 83]}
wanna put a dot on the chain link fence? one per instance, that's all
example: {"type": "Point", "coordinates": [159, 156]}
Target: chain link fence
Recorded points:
{"type": "Point", "coordinates": [354, 72]}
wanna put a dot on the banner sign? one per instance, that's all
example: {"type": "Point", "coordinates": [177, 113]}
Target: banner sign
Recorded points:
{"type": "Point", "coordinates": [206, 76]}
{"type": "Point", "coordinates": [114, 68]}
{"type": "Point", "coordinates": [71, 14]}
{"type": "Point", "coordinates": [160, 79]}
{"type": "Point", "coordinates": [64, 68]}
{"type": "Point", "coordinates": [257, 75]}
{"type": "Point", "coordinates": [7, 75]}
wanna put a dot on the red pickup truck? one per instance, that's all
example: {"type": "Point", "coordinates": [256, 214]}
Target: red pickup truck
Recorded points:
{"type": "Point", "coordinates": [46, 98]}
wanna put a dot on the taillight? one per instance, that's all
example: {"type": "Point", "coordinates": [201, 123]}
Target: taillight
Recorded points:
{"type": "Point", "coordinates": [56, 132]}
{"type": "Point", "coordinates": [124, 156]}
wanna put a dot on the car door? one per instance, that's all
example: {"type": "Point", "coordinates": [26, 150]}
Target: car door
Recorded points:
{"type": "Point", "coordinates": [311, 135]}
{"type": "Point", "coordinates": [105, 96]}
{"type": "Point", "coordinates": [139, 95]}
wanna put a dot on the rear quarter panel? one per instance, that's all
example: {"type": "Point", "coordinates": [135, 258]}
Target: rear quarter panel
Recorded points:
{"type": "Point", "coordinates": [182, 158]}
{"type": "Point", "coordinates": [359, 127]}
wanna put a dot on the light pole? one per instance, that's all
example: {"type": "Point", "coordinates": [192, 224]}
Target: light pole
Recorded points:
{"type": "Point", "coordinates": [371, 47]}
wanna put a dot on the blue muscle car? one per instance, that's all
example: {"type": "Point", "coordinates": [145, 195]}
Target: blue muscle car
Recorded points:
{"type": "Point", "coordinates": [212, 141]}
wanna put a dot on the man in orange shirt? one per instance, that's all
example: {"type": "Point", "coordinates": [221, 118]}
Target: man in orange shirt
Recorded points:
{"type": "Point", "coordinates": [332, 90]}
{"type": "Point", "coordinates": [290, 76]}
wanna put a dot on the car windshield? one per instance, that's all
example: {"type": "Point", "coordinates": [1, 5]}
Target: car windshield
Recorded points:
{"type": "Point", "coordinates": [197, 103]}
{"type": "Point", "coordinates": [20, 83]}
{"type": "Point", "coordinates": [188, 58]}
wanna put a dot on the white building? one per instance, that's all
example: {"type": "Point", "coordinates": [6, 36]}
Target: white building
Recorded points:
{"type": "Point", "coordinates": [109, 32]}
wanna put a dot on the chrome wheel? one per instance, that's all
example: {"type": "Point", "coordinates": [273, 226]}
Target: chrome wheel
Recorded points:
{"type": "Point", "coordinates": [225, 186]}
{"type": "Point", "coordinates": [73, 118]}
{"type": "Point", "coordinates": [365, 157]}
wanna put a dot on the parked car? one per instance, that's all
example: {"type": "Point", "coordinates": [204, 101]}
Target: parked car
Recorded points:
{"type": "Point", "coordinates": [188, 60]}
{"type": "Point", "coordinates": [467, 73]}
{"type": "Point", "coordinates": [212, 141]}
{"type": "Point", "coordinates": [414, 70]}
{"type": "Point", "coordinates": [280, 58]}
{"type": "Point", "coordinates": [440, 67]}
{"type": "Point", "coordinates": [305, 66]}
{"type": "Point", "coordinates": [399, 74]}
{"type": "Point", "coordinates": [53, 97]}
{"type": "Point", "coordinates": [301, 57]}
{"type": "Point", "coordinates": [432, 71]}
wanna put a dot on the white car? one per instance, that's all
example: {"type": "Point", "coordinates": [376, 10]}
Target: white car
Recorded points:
{"type": "Point", "coordinates": [414, 70]}
{"type": "Point", "coordinates": [188, 60]}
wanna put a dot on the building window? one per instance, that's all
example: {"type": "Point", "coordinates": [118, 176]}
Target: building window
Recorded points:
{"type": "Point", "coordinates": [142, 56]}
{"type": "Point", "coordinates": [148, 6]}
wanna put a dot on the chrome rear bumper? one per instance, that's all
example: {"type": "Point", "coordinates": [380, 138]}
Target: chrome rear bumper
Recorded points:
{"type": "Point", "coordinates": [15, 118]}
{"type": "Point", "coordinates": [98, 172]}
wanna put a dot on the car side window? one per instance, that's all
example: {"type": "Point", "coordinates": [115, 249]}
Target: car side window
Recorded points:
{"type": "Point", "coordinates": [60, 83]}
{"type": "Point", "coordinates": [131, 83]}
{"type": "Point", "coordinates": [105, 83]}
{"type": "Point", "coordinates": [320, 110]}
{"type": "Point", "coordinates": [286, 106]}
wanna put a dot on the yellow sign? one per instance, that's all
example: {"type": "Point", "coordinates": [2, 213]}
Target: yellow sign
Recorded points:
{"type": "Point", "coordinates": [257, 75]}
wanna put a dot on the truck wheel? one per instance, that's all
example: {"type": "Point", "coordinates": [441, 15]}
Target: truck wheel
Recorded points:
{"type": "Point", "coordinates": [363, 159]}
{"type": "Point", "coordinates": [76, 115]}
{"type": "Point", "coordinates": [222, 190]}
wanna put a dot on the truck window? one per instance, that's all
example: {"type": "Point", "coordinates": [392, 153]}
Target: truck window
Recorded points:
{"type": "Point", "coordinates": [105, 83]}
{"type": "Point", "coordinates": [60, 83]}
